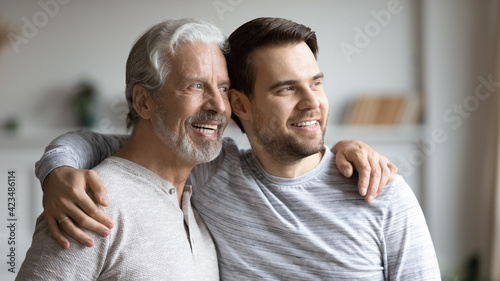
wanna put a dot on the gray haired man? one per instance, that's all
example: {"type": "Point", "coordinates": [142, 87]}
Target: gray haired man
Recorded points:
{"type": "Point", "coordinates": [178, 115]}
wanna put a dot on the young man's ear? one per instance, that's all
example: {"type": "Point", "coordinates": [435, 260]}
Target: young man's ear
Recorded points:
{"type": "Point", "coordinates": [143, 101]}
{"type": "Point", "coordinates": [240, 104]}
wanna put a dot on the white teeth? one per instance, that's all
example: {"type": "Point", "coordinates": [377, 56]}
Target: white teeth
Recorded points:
{"type": "Point", "coordinates": [305, 124]}
{"type": "Point", "coordinates": [205, 128]}
{"type": "Point", "coordinates": [205, 131]}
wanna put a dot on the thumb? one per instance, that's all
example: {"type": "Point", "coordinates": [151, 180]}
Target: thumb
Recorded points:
{"type": "Point", "coordinates": [345, 167]}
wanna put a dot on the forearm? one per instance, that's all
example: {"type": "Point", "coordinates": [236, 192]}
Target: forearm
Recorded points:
{"type": "Point", "coordinates": [81, 149]}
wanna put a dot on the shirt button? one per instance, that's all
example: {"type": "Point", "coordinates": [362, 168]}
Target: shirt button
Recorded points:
{"type": "Point", "coordinates": [171, 191]}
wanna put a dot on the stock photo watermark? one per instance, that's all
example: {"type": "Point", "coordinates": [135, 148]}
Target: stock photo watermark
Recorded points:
{"type": "Point", "coordinates": [454, 117]}
{"type": "Point", "coordinates": [373, 28]}
{"type": "Point", "coordinates": [223, 6]}
{"type": "Point", "coordinates": [39, 19]}
{"type": "Point", "coordinates": [119, 107]}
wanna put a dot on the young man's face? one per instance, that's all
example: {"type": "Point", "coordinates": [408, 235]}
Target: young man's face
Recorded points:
{"type": "Point", "coordinates": [193, 107]}
{"type": "Point", "coordinates": [289, 105]}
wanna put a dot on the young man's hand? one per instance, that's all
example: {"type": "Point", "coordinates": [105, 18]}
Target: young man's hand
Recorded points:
{"type": "Point", "coordinates": [66, 203]}
{"type": "Point", "coordinates": [375, 170]}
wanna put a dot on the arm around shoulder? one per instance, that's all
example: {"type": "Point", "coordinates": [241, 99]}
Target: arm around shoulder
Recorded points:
{"type": "Point", "coordinates": [82, 149]}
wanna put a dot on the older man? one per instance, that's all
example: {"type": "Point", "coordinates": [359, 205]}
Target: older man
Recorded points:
{"type": "Point", "coordinates": [177, 86]}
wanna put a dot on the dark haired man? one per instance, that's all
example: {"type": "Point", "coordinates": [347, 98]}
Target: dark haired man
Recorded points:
{"type": "Point", "coordinates": [282, 210]}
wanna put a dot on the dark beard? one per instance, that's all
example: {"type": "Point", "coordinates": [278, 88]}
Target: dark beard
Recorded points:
{"type": "Point", "coordinates": [285, 148]}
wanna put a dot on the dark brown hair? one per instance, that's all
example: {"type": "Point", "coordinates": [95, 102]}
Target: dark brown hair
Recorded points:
{"type": "Point", "coordinates": [255, 34]}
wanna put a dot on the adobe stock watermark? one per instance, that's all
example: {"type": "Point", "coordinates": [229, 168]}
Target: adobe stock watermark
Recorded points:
{"type": "Point", "coordinates": [30, 28]}
{"type": "Point", "coordinates": [454, 116]}
{"type": "Point", "coordinates": [363, 37]}
{"type": "Point", "coordinates": [119, 106]}
{"type": "Point", "coordinates": [223, 6]}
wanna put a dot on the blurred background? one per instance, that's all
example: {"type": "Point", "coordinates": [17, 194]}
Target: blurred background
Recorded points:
{"type": "Point", "coordinates": [417, 80]}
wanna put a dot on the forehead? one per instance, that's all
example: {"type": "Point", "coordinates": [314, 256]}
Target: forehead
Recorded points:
{"type": "Point", "coordinates": [287, 62]}
{"type": "Point", "coordinates": [198, 59]}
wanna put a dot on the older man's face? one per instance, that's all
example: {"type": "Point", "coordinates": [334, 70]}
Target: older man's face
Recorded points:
{"type": "Point", "coordinates": [193, 107]}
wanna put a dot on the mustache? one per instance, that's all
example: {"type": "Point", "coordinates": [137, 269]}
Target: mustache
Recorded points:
{"type": "Point", "coordinates": [304, 116]}
{"type": "Point", "coordinates": [207, 115]}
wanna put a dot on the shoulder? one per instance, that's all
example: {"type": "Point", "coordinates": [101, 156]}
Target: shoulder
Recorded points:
{"type": "Point", "coordinates": [399, 191]}
{"type": "Point", "coordinates": [400, 203]}
{"type": "Point", "coordinates": [122, 185]}
{"type": "Point", "coordinates": [330, 173]}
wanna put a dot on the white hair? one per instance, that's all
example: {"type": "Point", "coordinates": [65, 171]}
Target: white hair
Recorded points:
{"type": "Point", "coordinates": [148, 62]}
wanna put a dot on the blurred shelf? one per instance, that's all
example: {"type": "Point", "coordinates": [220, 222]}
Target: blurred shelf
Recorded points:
{"type": "Point", "coordinates": [41, 137]}
{"type": "Point", "coordinates": [376, 133]}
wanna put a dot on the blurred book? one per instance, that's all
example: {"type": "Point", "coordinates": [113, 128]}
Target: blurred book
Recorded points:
{"type": "Point", "coordinates": [384, 110]}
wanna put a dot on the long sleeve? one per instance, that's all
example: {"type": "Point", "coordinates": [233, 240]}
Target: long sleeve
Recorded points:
{"type": "Point", "coordinates": [82, 149]}
{"type": "Point", "coordinates": [409, 248]}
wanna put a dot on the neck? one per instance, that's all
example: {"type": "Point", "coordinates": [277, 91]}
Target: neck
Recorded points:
{"type": "Point", "coordinates": [146, 149]}
{"type": "Point", "coordinates": [286, 168]}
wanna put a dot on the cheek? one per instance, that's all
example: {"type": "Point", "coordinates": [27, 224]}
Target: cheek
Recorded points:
{"type": "Point", "coordinates": [228, 109]}
{"type": "Point", "coordinates": [324, 103]}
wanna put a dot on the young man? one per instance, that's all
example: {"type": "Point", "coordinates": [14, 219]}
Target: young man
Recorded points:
{"type": "Point", "coordinates": [282, 210]}
{"type": "Point", "coordinates": [177, 85]}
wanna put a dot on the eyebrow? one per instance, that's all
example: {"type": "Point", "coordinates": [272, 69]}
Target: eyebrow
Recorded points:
{"type": "Point", "coordinates": [290, 82]}
{"type": "Point", "coordinates": [227, 82]}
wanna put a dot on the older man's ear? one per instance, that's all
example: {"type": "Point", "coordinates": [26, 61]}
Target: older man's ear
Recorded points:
{"type": "Point", "coordinates": [143, 101]}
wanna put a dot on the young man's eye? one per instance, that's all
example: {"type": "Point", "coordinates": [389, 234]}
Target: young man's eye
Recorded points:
{"type": "Point", "coordinates": [286, 89]}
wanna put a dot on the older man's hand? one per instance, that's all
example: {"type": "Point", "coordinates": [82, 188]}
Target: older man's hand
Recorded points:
{"type": "Point", "coordinates": [375, 170]}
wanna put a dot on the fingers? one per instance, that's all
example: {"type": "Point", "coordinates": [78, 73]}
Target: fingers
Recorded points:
{"type": "Point", "coordinates": [99, 220]}
{"type": "Point", "coordinates": [363, 168]}
{"type": "Point", "coordinates": [85, 215]}
{"type": "Point", "coordinates": [374, 170]}
{"type": "Point", "coordinates": [95, 184]}
{"type": "Point", "coordinates": [364, 174]}
{"type": "Point", "coordinates": [375, 176]}
{"type": "Point", "coordinates": [344, 165]}
{"type": "Point", "coordinates": [349, 153]}
{"type": "Point", "coordinates": [65, 195]}
{"type": "Point", "coordinates": [394, 171]}
{"type": "Point", "coordinates": [69, 227]}
{"type": "Point", "coordinates": [387, 173]}
{"type": "Point", "coordinates": [56, 233]}
{"type": "Point", "coordinates": [63, 222]}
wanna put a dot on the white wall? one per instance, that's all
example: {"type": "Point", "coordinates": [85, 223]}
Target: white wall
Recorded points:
{"type": "Point", "coordinates": [458, 48]}
{"type": "Point", "coordinates": [91, 39]}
